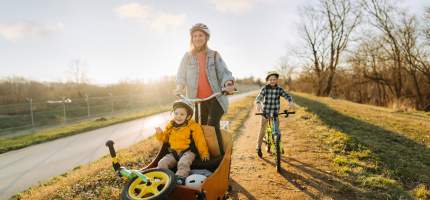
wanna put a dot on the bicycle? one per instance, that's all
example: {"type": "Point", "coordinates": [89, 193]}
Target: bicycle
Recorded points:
{"type": "Point", "coordinates": [152, 183]}
{"type": "Point", "coordinates": [272, 138]}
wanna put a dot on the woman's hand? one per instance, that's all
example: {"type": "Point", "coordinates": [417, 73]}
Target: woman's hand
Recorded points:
{"type": "Point", "coordinates": [229, 87]}
{"type": "Point", "coordinates": [180, 89]}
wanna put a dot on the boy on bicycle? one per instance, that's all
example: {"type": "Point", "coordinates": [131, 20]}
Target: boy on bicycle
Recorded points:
{"type": "Point", "coordinates": [268, 102]}
{"type": "Point", "coordinates": [179, 133]}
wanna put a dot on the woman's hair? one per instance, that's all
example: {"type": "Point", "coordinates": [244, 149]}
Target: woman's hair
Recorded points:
{"type": "Point", "coordinates": [193, 50]}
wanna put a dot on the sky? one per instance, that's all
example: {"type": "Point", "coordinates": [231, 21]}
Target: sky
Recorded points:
{"type": "Point", "coordinates": [118, 40]}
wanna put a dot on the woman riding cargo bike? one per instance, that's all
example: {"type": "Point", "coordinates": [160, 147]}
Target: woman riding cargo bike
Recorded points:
{"type": "Point", "coordinates": [205, 79]}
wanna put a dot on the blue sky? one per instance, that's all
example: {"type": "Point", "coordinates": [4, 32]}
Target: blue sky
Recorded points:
{"type": "Point", "coordinates": [135, 40]}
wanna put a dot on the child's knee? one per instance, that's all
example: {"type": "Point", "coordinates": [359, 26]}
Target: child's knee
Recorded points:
{"type": "Point", "coordinates": [162, 164]}
{"type": "Point", "coordinates": [185, 162]}
{"type": "Point", "coordinates": [165, 162]}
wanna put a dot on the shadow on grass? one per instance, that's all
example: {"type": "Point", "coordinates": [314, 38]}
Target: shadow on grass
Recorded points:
{"type": "Point", "coordinates": [395, 155]}
{"type": "Point", "coordinates": [324, 183]}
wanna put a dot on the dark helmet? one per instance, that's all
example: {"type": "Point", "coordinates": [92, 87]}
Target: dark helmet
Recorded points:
{"type": "Point", "coordinates": [183, 103]}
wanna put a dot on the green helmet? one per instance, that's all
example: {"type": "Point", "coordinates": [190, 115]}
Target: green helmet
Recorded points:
{"type": "Point", "coordinates": [183, 103]}
{"type": "Point", "coordinates": [270, 73]}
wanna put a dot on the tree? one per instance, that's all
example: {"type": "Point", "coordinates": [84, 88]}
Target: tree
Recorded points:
{"type": "Point", "coordinates": [327, 29]}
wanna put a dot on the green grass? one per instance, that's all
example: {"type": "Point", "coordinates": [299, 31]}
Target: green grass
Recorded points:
{"type": "Point", "coordinates": [97, 180]}
{"type": "Point", "coordinates": [18, 142]}
{"type": "Point", "coordinates": [384, 153]}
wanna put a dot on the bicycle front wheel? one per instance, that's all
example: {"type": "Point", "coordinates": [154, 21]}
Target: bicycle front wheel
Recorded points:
{"type": "Point", "coordinates": [161, 183]}
{"type": "Point", "coordinates": [278, 152]}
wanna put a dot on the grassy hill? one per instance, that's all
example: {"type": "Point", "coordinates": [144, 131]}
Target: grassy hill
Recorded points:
{"type": "Point", "coordinates": [386, 154]}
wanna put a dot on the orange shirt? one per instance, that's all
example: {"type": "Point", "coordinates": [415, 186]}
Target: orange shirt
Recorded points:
{"type": "Point", "coordinates": [203, 87]}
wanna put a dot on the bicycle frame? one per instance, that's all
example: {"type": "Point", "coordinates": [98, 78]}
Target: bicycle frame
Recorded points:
{"type": "Point", "coordinates": [273, 136]}
{"type": "Point", "coordinates": [273, 133]}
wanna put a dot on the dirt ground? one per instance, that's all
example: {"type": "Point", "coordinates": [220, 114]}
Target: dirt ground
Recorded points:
{"type": "Point", "coordinates": [306, 173]}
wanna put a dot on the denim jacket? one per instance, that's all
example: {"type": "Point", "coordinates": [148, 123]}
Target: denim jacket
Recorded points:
{"type": "Point", "coordinates": [216, 70]}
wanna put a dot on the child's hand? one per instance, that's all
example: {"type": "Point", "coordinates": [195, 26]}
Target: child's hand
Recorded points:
{"type": "Point", "coordinates": [292, 105]}
{"type": "Point", "coordinates": [158, 130]}
{"type": "Point", "coordinates": [205, 159]}
{"type": "Point", "coordinates": [259, 108]}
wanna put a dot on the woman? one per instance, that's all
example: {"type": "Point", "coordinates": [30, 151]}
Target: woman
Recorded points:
{"type": "Point", "coordinates": [203, 72]}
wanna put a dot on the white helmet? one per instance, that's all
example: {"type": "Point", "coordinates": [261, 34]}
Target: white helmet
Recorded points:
{"type": "Point", "coordinates": [184, 103]}
{"type": "Point", "coordinates": [195, 181]}
{"type": "Point", "coordinates": [200, 27]}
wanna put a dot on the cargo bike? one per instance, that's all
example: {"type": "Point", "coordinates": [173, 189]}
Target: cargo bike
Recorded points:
{"type": "Point", "coordinates": [152, 183]}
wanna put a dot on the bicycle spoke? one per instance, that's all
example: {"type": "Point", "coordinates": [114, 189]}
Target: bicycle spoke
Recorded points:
{"type": "Point", "coordinates": [144, 192]}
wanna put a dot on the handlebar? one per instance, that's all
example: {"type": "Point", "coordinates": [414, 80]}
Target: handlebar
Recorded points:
{"type": "Point", "coordinates": [199, 100]}
{"type": "Point", "coordinates": [286, 113]}
{"type": "Point", "coordinates": [112, 152]}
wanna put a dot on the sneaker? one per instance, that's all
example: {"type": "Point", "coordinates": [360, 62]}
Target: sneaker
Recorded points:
{"type": "Point", "coordinates": [180, 180]}
{"type": "Point", "coordinates": [259, 153]}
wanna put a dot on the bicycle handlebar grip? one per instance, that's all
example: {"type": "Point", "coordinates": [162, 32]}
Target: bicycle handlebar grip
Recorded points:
{"type": "Point", "coordinates": [292, 112]}
{"type": "Point", "coordinates": [112, 152]}
{"type": "Point", "coordinates": [115, 163]}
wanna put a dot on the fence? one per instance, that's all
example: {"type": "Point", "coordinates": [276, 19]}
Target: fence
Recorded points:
{"type": "Point", "coordinates": [30, 115]}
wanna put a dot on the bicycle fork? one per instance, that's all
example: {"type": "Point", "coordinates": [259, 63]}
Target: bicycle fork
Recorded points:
{"type": "Point", "coordinates": [277, 135]}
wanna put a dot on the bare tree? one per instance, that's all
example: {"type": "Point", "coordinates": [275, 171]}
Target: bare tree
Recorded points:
{"type": "Point", "coordinates": [78, 77]}
{"type": "Point", "coordinates": [77, 72]}
{"type": "Point", "coordinates": [409, 39]}
{"type": "Point", "coordinates": [383, 14]}
{"type": "Point", "coordinates": [327, 30]}
{"type": "Point", "coordinates": [426, 20]}
{"type": "Point", "coordinates": [286, 71]}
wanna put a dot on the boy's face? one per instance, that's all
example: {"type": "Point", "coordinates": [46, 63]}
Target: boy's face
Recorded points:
{"type": "Point", "coordinates": [272, 80]}
{"type": "Point", "coordinates": [180, 115]}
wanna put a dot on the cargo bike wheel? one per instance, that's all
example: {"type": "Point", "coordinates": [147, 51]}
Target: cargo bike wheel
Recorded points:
{"type": "Point", "coordinates": [160, 184]}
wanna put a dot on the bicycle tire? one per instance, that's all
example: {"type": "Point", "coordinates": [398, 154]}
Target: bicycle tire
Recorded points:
{"type": "Point", "coordinates": [278, 153]}
{"type": "Point", "coordinates": [133, 188]}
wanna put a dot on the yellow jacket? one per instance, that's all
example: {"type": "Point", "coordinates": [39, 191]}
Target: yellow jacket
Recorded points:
{"type": "Point", "coordinates": [179, 137]}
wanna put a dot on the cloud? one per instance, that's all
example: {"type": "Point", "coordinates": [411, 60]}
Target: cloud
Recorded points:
{"type": "Point", "coordinates": [25, 30]}
{"type": "Point", "coordinates": [236, 6]}
{"type": "Point", "coordinates": [134, 11]}
{"type": "Point", "coordinates": [155, 19]}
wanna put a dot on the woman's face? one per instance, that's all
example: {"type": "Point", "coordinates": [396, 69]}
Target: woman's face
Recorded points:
{"type": "Point", "coordinates": [199, 39]}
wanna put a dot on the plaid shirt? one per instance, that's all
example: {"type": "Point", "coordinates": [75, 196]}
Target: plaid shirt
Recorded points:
{"type": "Point", "coordinates": [270, 98]}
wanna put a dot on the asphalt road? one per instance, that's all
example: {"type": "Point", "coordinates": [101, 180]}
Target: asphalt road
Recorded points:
{"type": "Point", "coordinates": [25, 167]}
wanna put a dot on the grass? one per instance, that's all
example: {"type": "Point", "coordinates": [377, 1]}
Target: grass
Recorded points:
{"type": "Point", "coordinates": [18, 142]}
{"type": "Point", "coordinates": [382, 152]}
{"type": "Point", "coordinates": [98, 181]}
